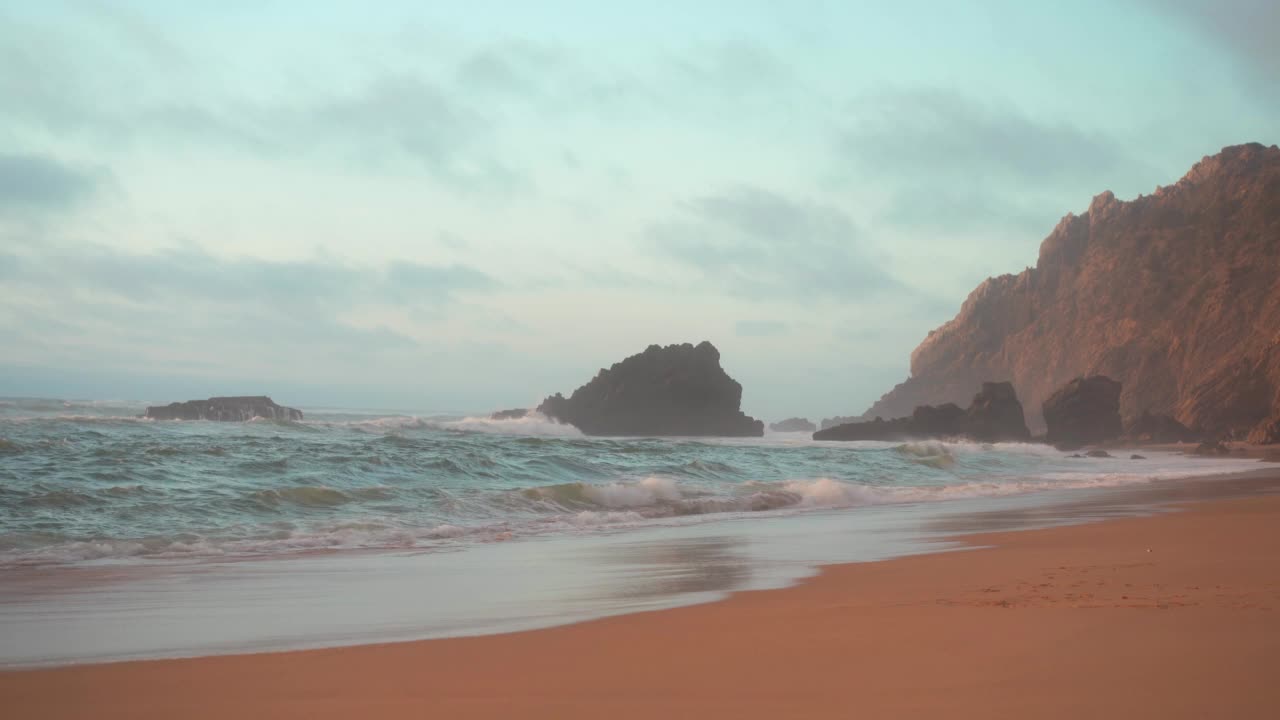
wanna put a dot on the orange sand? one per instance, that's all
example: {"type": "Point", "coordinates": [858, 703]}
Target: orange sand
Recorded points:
{"type": "Point", "coordinates": [1174, 616]}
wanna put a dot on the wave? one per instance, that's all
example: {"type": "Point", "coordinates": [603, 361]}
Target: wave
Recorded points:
{"type": "Point", "coordinates": [533, 423]}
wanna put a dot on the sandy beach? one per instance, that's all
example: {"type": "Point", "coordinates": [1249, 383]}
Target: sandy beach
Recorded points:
{"type": "Point", "coordinates": [1174, 615]}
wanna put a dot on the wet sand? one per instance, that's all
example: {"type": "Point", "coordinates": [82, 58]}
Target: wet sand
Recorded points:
{"type": "Point", "coordinates": [1171, 616]}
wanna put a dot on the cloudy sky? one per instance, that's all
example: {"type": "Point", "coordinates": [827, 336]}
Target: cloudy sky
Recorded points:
{"type": "Point", "coordinates": [461, 206]}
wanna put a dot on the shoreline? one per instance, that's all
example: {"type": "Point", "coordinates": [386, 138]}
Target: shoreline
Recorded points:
{"type": "Point", "coordinates": [1170, 615]}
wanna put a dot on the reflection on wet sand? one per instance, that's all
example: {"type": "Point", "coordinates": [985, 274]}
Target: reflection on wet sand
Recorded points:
{"type": "Point", "coordinates": [663, 569]}
{"type": "Point", "coordinates": [1126, 501]}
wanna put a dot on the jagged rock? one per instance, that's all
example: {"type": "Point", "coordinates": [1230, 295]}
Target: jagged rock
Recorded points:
{"type": "Point", "coordinates": [994, 415]}
{"type": "Point", "coordinates": [1085, 411]}
{"type": "Point", "coordinates": [512, 414]}
{"type": "Point", "coordinates": [793, 425]}
{"type": "Point", "coordinates": [1176, 295]}
{"type": "Point", "coordinates": [1267, 432]}
{"type": "Point", "coordinates": [672, 390]}
{"type": "Point", "coordinates": [1150, 428]}
{"type": "Point", "coordinates": [225, 409]}
{"type": "Point", "coordinates": [878, 429]}
{"type": "Point", "coordinates": [840, 420]}
{"type": "Point", "coordinates": [939, 421]}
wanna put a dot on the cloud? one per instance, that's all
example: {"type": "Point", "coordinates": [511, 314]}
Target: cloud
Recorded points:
{"type": "Point", "coordinates": [185, 304]}
{"type": "Point", "coordinates": [1245, 29]}
{"type": "Point", "coordinates": [37, 182]}
{"type": "Point", "coordinates": [761, 328]}
{"type": "Point", "coordinates": [763, 245]}
{"type": "Point", "coordinates": [944, 134]}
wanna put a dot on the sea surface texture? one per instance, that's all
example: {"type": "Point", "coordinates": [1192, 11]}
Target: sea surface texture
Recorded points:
{"type": "Point", "coordinates": [91, 482]}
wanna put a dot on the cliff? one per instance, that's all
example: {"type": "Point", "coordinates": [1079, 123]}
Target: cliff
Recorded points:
{"type": "Point", "coordinates": [225, 409]}
{"type": "Point", "coordinates": [672, 390]}
{"type": "Point", "coordinates": [1176, 295]}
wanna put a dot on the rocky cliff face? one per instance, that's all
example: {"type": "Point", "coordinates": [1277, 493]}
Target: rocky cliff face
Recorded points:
{"type": "Point", "coordinates": [672, 390]}
{"type": "Point", "coordinates": [225, 409]}
{"type": "Point", "coordinates": [1176, 295]}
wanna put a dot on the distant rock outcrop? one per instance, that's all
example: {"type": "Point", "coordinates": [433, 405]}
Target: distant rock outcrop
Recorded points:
{"type": "Point", "coordinates": [995, 415]}
{"type": "Point", "coordinates": [225, 409]}
{"type": "Point", "coordinates": [1085, 411]}
{"type": "Point", "coordinates": [795, 424]}
{"type": "Point", "coordinates": [1176, 295]}
{"type": "Point", "coordinates": [840, 420]}
{"type": "Point", "coordinates": [512, 414]}
{"type": "Point", "coordinates": [672, 390]}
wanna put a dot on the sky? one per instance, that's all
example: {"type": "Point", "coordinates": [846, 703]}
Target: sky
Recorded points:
{"type": "Point", "coordinates": [458, 207]}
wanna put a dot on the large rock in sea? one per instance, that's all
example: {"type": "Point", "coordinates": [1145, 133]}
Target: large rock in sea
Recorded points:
{"type": "Point", "coordinates": [796, 424]}
{"type": "Point", "coordinates": [1085, 411]}
{"type": "Point", "coordinates": [995, 415]}
{"type": "Point", "coordinates": [1175, 294]}
{"type": "Point", "coordinates": [225, 409]}
{"type": "Point", "coordinates": [672, 390]}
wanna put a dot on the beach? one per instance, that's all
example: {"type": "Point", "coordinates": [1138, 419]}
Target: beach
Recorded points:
{"type": "Point", "coordinates": [1171, 615]}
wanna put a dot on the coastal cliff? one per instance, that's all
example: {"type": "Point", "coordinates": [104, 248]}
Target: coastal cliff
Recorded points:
{"type": "Point", "coordinates": [672, 390]}
{"type": "Point", "coordinates": [225, 409]}
{"type": "Point", "coordinates": [1176, 295]}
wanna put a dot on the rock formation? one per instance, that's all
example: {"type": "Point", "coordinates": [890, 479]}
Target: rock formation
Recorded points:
{"type": "Point", "coordinates": [1176, 295]}
{"type": "Point", "coordinates": [225, 409]}
{"type": "Point", "coordinates": [795, 424]}
{"type": "Point", "coordinates": [840, 420]}
{"type": "Point", "coordinates": [512, 414]}
{"type": "Point", "coordinates": [672, 390]}
{"type": "Point", "coordinates": [1151, 428]}
{"type": "Point", "coordinates": [994, 415]}
{"type": "Point", "coordinates": [1085, 411]}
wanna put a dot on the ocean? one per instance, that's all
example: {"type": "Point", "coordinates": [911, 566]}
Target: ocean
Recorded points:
{"type": "Point", "coordinates": [359, 525]}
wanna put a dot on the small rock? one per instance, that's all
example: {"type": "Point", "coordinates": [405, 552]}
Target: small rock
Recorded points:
{"type": "Point", "coordinates": [1098, 454]}
{"type": "Point", "coordinates": [1137, 457]}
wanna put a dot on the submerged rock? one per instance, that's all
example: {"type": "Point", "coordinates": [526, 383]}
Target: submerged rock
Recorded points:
{"type": "Point", "coordinates": [995, 415]}
{"type": "Point", "coordinates": [225, 409]}
{"type": "Point", "coordinates": [1099, 454]}
{"type": "Point", "coordinates": [1085, 411]}
{"type": "Point", "coordinates": [795, 424]}
{"type": "Point", "coordinates": [512, 414]}
{"type": "Point", "coordinates": [672, 390]}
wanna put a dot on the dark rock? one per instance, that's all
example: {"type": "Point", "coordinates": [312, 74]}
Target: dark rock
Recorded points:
{"type": "Point", "coordinates": [878, 429]}
{"type": "Point", "coordinates": [995, 415]}
{"type": "Point", "coordinates": [1154, 428]}
{"type": "Point", "coordinates": [1212, 447]}
{"type": "Point", "coordinates": [793, 425]}
{"type": "Point", "coordinates": [672, 390]}
{"type": "Point", "coordinates": [512, 414]}
{"type": "Point", "coordinates": [225, 409]}
{"type": "Point", "coordinates": [840, 420]}
{"type": "Point", "coordinates": [1098, 454]}
{"type": "Point", "coordinates": [1137, 457]}
{"type": "Point", "coordinates": [940, 421]}
{"type": "Point", "coordinates": [1085, 411]}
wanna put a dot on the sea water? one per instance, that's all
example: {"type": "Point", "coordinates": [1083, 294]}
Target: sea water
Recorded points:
{"type": "Point", "coordinates": [124, 537]}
